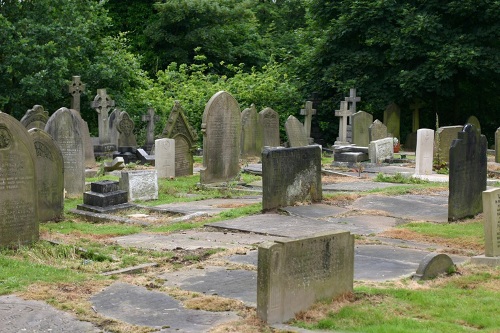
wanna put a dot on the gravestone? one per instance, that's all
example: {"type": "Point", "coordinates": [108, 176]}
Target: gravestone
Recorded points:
{"type": "Point", "coordinates": [179, 129]}
{"type": "Point", "coordinates": [380, 150]}
{"type": "Point", "coordinates": [344, 112]}
{"type": "Point", "coordinates": [415, 108]}
{"type": "Point", "coordinates": [433, 265]}
{"type": "Point", "coordinates": [151, 118]}
{"type": "Point", "coordinates": [251, 133]}
{"type": "Point", "coordinates": [467, 173]}
{"type": "Point", "coordinates": [424, 157]}
{"type": "Point", "coordinates": [293, 274]}
{"type": "Point", "coordinates": [18, 182]}
{"type": "Point", "coordinates": [50, 176]}
{"type": "Point", "coordinates": [443, 138]}
{"type": "Point", "coordinates": [295, 133]}
{"type": "Point", "coordinates": [125, 127]}
{"type": "Point", "coordinates": [270, 123]}
{"type": "Point", "coordinates": [392, 116]}
{"type": "Point", "coordinates": [290, 175]}
{"type": "Point", "coordinates": [474, 121]}
{"type": "Point", "coordinates": [102, 104]}
{"type": "Point", "coordinates": [75, 89]}
{"type": "Point", "coordinates": [114, 116]}
{"type": "Point", "coordinates": [116, 164]}
{"type": "Point", "coordinates": [377, 131]}
{"type": "Point", "coordinates": [104, 197]}
{"type": "Point", "coordinates": [144, 158]}
{"type": "Point", "coordinates": [308, 112]}
{"type": "Point", "coordinates": [361, 122]}
{"type": "Point", "coordinates": [165, 158]}
{"type": "Point", "coordinates": [352, 100]}
{"type": "Point", "coordinates": [35, 118]}
{"type": "Point", "coordinates": [88, 147]}
{"type": "Point", "coordinates": [65, 128]}
{"type": "Point", "coordinates": [140, 184]}
{"type": "Point", "coordinates": [497, 145]}
{"type": "Point", "coordinates": [221, 128]}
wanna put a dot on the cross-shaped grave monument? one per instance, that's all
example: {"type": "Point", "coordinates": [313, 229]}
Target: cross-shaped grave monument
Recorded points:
{"type": "Point", "coordinates": [75, 89]}
{"type": "Point", "coordinates": [151, 118]}
{"type": "Point", "coordinates": [308, 112]}
{"type": "Point", "coordinates": [344, 112]}
{"type": "Point", "coordinates": [102, 104]}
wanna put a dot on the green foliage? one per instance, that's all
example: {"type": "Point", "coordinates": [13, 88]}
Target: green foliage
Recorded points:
{"type": "Point", "coordinates": [87, 228]}
{"type": "Point", "coordinates": [399, 178]}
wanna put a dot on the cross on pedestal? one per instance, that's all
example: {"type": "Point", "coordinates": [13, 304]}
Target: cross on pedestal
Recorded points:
{"type": "Point", "coordinates": [308, 112]}
{"type": "Point", "coordinates": [151, 118]}
{"type": "Point", "coordinates": [415, 107]}
{"type": "Point", "coordinates": [75, 89]}
{"type": "Point", "coordinates": [344, 112]}
{"type": "Point", "coordinates": [353, 99]}
{"type": "Point", "coordinates": [102, 104]}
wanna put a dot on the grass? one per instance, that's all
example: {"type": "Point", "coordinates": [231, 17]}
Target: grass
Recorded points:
{"type": "Point", "coordinates": [399, 178]}
{"type": "Point", "coordinates": [81, 227]}
{"type": "Point", "coordinates": [471, 229]}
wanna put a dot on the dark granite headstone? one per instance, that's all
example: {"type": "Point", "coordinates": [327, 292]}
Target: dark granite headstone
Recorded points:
{"type": "Point", "coordinates": [35, 118]}
{"type": "Point", "coordinates": [270, 122]}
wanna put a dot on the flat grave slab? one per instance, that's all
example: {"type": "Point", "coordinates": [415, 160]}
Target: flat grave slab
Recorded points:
{"type": "Point", "coordinates": [358, 186]}
{"type": "Point", "coordinates": [390, 169]}
{"type": "Point", "coordinates": [211, 206]}
{"type": "Point", "coordinates": [19, 315]}
{"type": "Point", "coordinates": [139, 306]}
{"type": "Point", "coordinates": [315, 210]}
{"type": "Point", "coordinates": [365, 224]}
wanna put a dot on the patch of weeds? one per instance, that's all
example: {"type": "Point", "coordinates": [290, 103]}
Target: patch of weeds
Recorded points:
{"type": "Point", "coordinates": [189, 257]}
{"type": "Point", "coordinates": [399, 178]}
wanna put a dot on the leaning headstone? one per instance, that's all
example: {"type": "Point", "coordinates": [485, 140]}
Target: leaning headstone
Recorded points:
{"type": "Point", "coordinates": [65, 128]}
{"type": "Point", "coordinates": [179, 129]}
{"type": "Point", "coordinates": [140, 184]}
{"type": "Point", "coordinates": [18, 182]}
{"type": "Point", "coordinates": [151, 119]}
{"type": "Point", "coordinates": [474, 121]}
{"type": "Point", "coordinates": [361, 122]}
{"type": "Point", "coordinates": [165, 158]}
{"type": "Point", "coordinates": [443, 138]}
{"type": "Point", "coordinates": [116, 164]}
{"type": "Point", "coordinates": [392, 116]}
{"type": "Point", "coordinates": [497, 145]}
{"type": "Point", "coordinates": [35, 118]}
{"type": "Point", "coordinates": [433, 265]}
{"type": "Point", "coordinates": [144, 158]}
{"type": "Point", "coordinates": [221, 128]}
{"type": "Point", "coordinates": [467, 174]}
{"type": "Point", "coordinates": [295, 133]}
{"type": "Point", "coordinates": [251, 133]}
{"type": "Point", "coordinates": [290, 175]}
{"type": "Point", "coordinates": [270, 122]}
{"type": "Point", "coordinates": [380, 150]}
{"type": "Point", "coordinates": [424, 157]}
{"type": "Point", "coordinates": [50, 176]}
{"type": "Point", "coordinates": [294, 274]}
{"type": "Point", "coordinates": [377, 131]}
{"type": "Point", "coordinates": [125, 127]}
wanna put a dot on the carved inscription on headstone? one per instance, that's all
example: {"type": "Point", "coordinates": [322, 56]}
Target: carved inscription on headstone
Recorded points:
{"type": "Point", "coordinates": [270, 123]}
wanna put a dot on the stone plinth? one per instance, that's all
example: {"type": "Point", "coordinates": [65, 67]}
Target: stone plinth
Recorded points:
{"type": "Point", "coordinates": [104, 196]}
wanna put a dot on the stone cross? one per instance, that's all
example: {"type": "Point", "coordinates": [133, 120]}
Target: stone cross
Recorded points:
{"type": "Point", "coordinates": [151, 118]}
{"type": "Point", "coordinates": [353, 99]}
{"type": "Point", "coordinates": [75, 89]}
{"type": "Point", "coordinates": [308, 112]}
{"type": "Point", "coordinates": [102, 104]}
{"type": "Point", "coordinates": [415, 107]}
{"type": "Point", "coordinates": [344, 112]}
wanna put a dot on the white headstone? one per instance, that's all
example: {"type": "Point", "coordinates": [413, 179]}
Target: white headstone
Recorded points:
{"type": "Point", "coordinates": [165, 158]}
{"type": "Point", "coordinates": [424, 156]}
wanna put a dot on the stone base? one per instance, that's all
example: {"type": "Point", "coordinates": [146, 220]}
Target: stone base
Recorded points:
{"type": "Point", "coordinates": [353, 157]}
{"type": "Point", "coordinates": [487, 261]}
{"type": "Point", "coordinates": [105, 199]}
{"type": "Point", "coordinates": [103, 210]}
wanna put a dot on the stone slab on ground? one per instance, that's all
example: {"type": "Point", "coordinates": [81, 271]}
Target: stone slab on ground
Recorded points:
{"type": "Point", "coordinates": [365, 224]}
{"type": "Point", "coordinates": [359, 186]}
{"type": "Point", "coordinates": [211, 206]}
{"type": "Point", "coordinates": [19, 315]}
{"type": "Point", "coordinates": [315, 210]}
{"type": "Point", "coordinates": [390, 169]}
{"type": "Point", "coordinates": [139, 306]}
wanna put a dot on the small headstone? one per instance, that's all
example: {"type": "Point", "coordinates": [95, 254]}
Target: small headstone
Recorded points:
{"type": "Point", "coordinates": [497, 145]}
{"type": "Point", "coordinates": [104, 197]}
{"type": "Point", "coordinates": [88, 147]}
{"type": "Point", "coordinates": [392, 116]}
{"type": "Point", "coordinates": [443, 138]}
{"type": "Point", "coordinates": [270, 123]}
{"type": "Point", "coordinates": [308, 112]}
{"type": "Point", "coordinates": [290, 175]}
{"type": "Point", "coordinates": [116, 164]}
{"type": "Point", "coordinates": [474, 121]}
{"type": "Point", "coordinates": [424, 157]}
{"type": "Point", "coordinates": [140, 184]}
{"type": "Point", "coordinates": [221, 128]}
{"type": "Point", "coordinates": [251, 133]}
{"type": "Point", "coordinates": [380, 150]}
{"type": "Point", "coordinates": [467, 174]}
{"type": "Point", "coordinates": [295, 133]}
{"type": "Point", "coordinates": [75, 89]}
{"type": "Point", "coordinates": [432, 265]}
{"type": "Point", "coordinates": [35, 118]}
{"type": "Point", "coordinates": [361, 122]}
{"type": "Point", "coordinates": [151, 118]}
{"type": "Point", "coordinates": [165, 158]}
{"type": "Point", "coordinates": [294, 274]}
{"type": "Point", "coordinates": [102, 104]}
{"type": "Point", "coordinates": [125, 127]}
{"type": "Point", "coordinates": [377, 131]}
{"type": "Point", "coordinates": [50, 176]}
{"type": "Point", "coordinates": [18, 193]}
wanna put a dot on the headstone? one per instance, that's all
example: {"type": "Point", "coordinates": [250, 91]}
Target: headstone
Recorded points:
{"type": "Point", "coordinates": [75, 89]}
{"type": "Point", "coordinates": [151, 118]}
{"type": "Point", "coordinates": [179, 129]}
{"type": "Point", "coordinates": [18, 182]}
{"type": "Point", "coordinates": [467, 174]}
{"type": "Point", "coordinates": [497, 145]}
{"type": "Point", "coordinates": [344, 112]}
{"type": "Point", "coordinates": [270, 123]}
{"type": "Point", "coordinates": [50, 176]}
{"type": "Point", "coordinates": [65, 128]}
{"type": "Point", "coordinates": [380, 150]}
{"type": "Point", "coordinates": [474, 121]}
{"type": "Point", "coordinates": [308, 112]}
{"type": "Point", "coordinates": [294, 274]}
{"type": "Point", "coordinates": [443, 138]}
{"type": "Point", "coordinates": [295, 133]}
{"type": "Point", "coordinates": [35, 118]}
{"type": "Point", "coordinates": [433, 265]}
{"type": "Point", "coordinates": [392, 116]}
{"type": "Point", "coordinates": [125, 127]}
{"type": "Point", "coordinates": [116, 164]}
{"type": "Point", "coordinates": [377, 131]}
{"type": "Point", "coordinates": [140, 184]}
{"type": "Point", "coordinates": [88, 147]}
{"type": "Point", "coordinates": [102, 104]}
{"type": "Point", "coordinates": [104, 197]}
{"type": "Point", "coordinates": [290, 175]}
{"type": "Point", "coordinates": [251, 133]}
{"type": "Point", "coordinates": [144, 158]}
{"type": "Point", "coordinates": [424, 157]}
{"type": "Point", "coordinates": [165, 158]}
{"type": "Point", "coordinates": [361, 122]}
{"type": "Point", "coordinates": [114, 116]}
{"type": "Point", "coordinates": [415, 108]}
{"type": "Point", "coordinates": [221, 128]}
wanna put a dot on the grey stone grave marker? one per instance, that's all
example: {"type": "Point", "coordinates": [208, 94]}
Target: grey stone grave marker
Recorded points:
{"type": "Point", "coordinates": [377, 131]}
{"type": "Point", "coordinates": [251, 133]}
{"type": "Point", "coordinates": [295, 133]}
{"type": "Point", "coordinates": [114, 116]}
{"type": "Point", "coordinates": [433, 265]}
{"type": "Point", "coordinates": [270, 123]}
{"type": "Point", "coordinates": [165, 158]}
{"type": "Point", "coordinates": [361, 122]}
{"type": "Point", "coordinates": [18, 194]}
{"type": "Point", "coordinates": [151, 118]}
{"type": "Point", "coordinates": [444, 136]}
{"type": "Point", "coordinates": [75, 89]}
{"type": "Point", "coordinates": [491, 203]}
{"type": "Point", "coordinates": [140, 184]}
{"type": "Point", "coordinates": [344, 112]}
{"type": "Point", "coordinates": [125, 127]}
{"type": "Point", "coordinates": [102, 104]}
{"type": "Point", "coordinates": [392, 119]}
{"type": "Point", "coordinates": [308, 112]}
{"type": "Point", "coordinates": [424, 157]}
{"type": "Point", "coordinates": [35, 118]}
{"type": "Point", "coordinates": [382, 149]}
{"type": "Point", "coordinates": [474, 121]}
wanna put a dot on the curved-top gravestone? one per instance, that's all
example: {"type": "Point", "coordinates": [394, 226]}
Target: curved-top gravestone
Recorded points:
{"type": "Point", "coordinates": [270, 122]}
{"type": "Point", "coordinates": [221, 128]}
{"type": "Point", "coordinates": [18, 202]}
{"type": "Point", "coordinates": [35, 118]}
{"type": "Point", "coordinates": [251, 133]}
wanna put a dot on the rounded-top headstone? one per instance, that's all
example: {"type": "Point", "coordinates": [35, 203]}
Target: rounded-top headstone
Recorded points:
{"type": "Point", "coordinates": [433, 265]}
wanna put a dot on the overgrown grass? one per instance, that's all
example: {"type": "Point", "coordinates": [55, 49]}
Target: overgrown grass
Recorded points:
{"type": "Point", "coordinates": [399, 178]}
{"type": "Point", "coordinates": [81, 227]}
{"type": "Point", "coordinates": [468, 230]}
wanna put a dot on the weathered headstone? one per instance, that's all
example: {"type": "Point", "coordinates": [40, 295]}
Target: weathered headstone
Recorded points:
{"type": "Point", "coordinates": [165, 158]}
{"type": "Point", "coordinates": [65, 128]}
{"type": "Point", "coordinates": [179, 129]}
{"type": "Point", "coordinates": [294, 274]}
{"type": "Point", "coordinates": [295, 133]}
{"type": "Point", "coordinates": [140, 184]}
{"type": "Point", "coordinates": [270, 123]}
{"type": "Point", "coordinates": [290, 175]}
{"type": "Point", "coordinates": [433, 265]}
{"type": "Point", "coordinates": [467, 173]}
{"type": "Point", "coordinates": [474, 121]}
{"type": "Point", "coordinates": [18, 194]}
{"type": "Point", "coordinates": [151, 118]}
{"type": "Point", "coordinates": [415, 108]}
{"type": "Point", "coordinates": [344, 112]}
{"type": "Point", "coordinates": [443, 138]}
{"type": "Point", "coordinates": [308, 112]}
{"type": "Point", "coordinates": [377, 131]}
{"type": "Point", "coordinates": [424, 157]}
{"type": "Point", "coordinates": [251, 133]}
{"type": "Point", "coordinates": [361, 122]}
{"type": "Point", "coordinates": [75, 89]}
{"type": "Point", "coordinates": [380, 150]}
{"type": "Point", "coordinates": [125, 127]}
{"type": "Point", "coordinates": [35, 118]}
{"type": "Point", "coordinates": [392, 116]}
{"type": "Point", "coordinates": [497, 145]}
{"type": "Point", "coordinates": [114, 116]}
{"type": "Point", "coordinates": [221, 128]}
{"type": "Point", "coordinates": [144, 158]}
{"type": "Point", "coordinates": [50, 176]}
{"type": "Point", "coordinates": [102, 104]}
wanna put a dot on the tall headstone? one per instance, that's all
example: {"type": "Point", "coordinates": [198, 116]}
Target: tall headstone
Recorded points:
{"type": "Point", "coordinates": [75, 89]}
{"type": "Point", "coordinates": [35, 118]}
{"type": "Point", "coordinates": [308, 112]}
{"type": "Point", "coordinates": [151, 119]}
{"type": "Point", "coordinates": [444, 136]}
{"type": "Point", "coordinates": [114, 116]}
{"type": "Point", "coordinates": [295, 133]}
{"type": "Point", "coordinates": [50, 176]}
{"type": "Point", "coordinates": [377, 131]}
{"type": "Point", "coordinates": [179, 129]}
{"type": "Point", "coordinates": [467, 173]}
{"type": "Point", "coordinates": [102, 104]}
{"type": "Point", "coordinates": [221, 128]}
{"type": "Point", "coordinates": [392, 119]}
{"type": "Point", "coordinates": [497, 145]}
{"type": "Point", "coordinates": [474, 121]}
{"type": "Point", "coordinates": [251, 133]}
{"type": "Point", "coordinates": [344, 112]}
{"type": "Point", "coordinates": [18, 193]}
{"type": "Point", "coordinates": [125, 129]}
{"type": "Point", "coordinates": [65, 128]}
{"type": "Point", "coordinates": [165, 158]}
{"type": "Point", "coordinates": [424, 157]}
{"type": "Point", "coordinates": [270, 123]}
{"type": "Point", "coordinates": [361, 122]}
